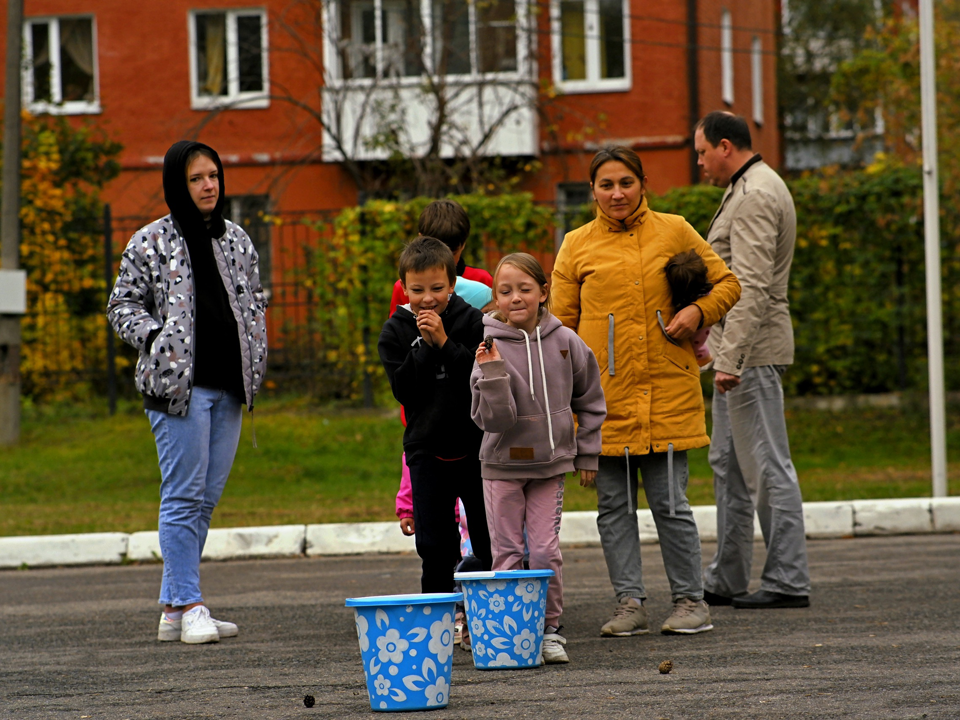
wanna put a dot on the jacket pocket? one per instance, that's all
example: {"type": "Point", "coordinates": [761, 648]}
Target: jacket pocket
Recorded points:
{"type": "Point", "coordinates": [596, 334]}
{"type": "Point", "coordinates": [528, 441]}
{"type": "Point", "coordinates": [682, 356]}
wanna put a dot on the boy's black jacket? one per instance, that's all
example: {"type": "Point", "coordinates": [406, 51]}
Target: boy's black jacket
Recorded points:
{"type": "Point", "coordinates": [433, 385]}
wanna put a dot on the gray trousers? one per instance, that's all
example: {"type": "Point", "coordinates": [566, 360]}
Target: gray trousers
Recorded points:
{"type": "Point", "coordinates": [752, 470]}
{"type": "Point", "coordinates": [620, 532]}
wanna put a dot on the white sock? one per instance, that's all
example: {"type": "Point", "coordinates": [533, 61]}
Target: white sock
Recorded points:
{"type": "Point", "coordinates": [175, 615]}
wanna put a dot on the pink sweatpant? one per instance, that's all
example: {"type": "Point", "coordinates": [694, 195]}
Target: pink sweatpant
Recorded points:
{"type": "Point", "coordinates": [536, 504]}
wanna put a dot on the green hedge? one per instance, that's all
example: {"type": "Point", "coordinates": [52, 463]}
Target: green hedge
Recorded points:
{"type": "Point", "coordinates": [857, 284]}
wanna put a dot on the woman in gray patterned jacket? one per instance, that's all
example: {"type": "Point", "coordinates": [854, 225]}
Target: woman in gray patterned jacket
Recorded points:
{"type": "Point", "coordinates": [188, 298]}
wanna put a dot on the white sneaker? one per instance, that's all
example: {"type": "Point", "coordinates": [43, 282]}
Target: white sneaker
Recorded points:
{"type": "Point", "coordinates": [197, 627]}
{"type": "Point", "coordinates": [170, 630]}
{"type": "Point", "coordinates": [552, 650]}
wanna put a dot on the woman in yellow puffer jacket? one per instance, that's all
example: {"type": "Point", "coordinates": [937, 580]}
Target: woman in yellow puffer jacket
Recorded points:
{"type": "Point", "coordinates": [610, 286]}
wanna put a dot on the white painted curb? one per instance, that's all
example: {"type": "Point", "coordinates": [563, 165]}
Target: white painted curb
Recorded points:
{"type": "Point", "coordinates": [86, 549]}
{"type": "Point", "coordinates": [229, 543]}
{"type": "Point", "coordinates": [357, 538]}
{"type": "Point", "coordinates": [946, 514]}
{"type": "Point", "coordinates": [892, 517]}
{"type": "Point", "coordinates": [821, 519]}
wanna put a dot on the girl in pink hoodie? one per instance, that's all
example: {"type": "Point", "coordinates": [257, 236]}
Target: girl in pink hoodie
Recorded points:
{"type": "Point", "coordinates": [532, 375]}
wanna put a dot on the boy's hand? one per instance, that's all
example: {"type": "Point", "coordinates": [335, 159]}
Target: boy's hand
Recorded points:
{"type": "Point", "coordinates": [431, 327]}
{"type": "Point", "coordinates": [587, 477]}
{"type": "Point", "coordinates": [407, 526]}
{"type": "Point", "coordinates": [484, 355]}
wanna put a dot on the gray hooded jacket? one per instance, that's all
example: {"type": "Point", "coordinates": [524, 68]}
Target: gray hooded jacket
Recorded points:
{"type": "Point", "coordinates": [525, 402]}
{"type": "Point", "coordinates": [153, 306]}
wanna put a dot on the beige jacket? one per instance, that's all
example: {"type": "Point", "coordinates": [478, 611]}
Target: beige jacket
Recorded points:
{"type": "Point", "coordinates": [754, 232]}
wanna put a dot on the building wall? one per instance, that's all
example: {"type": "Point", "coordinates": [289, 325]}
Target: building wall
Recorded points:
{"type": "Point", "coordinates": [144, 80]}
{"type": "Point", "coordinates": [750, 19]}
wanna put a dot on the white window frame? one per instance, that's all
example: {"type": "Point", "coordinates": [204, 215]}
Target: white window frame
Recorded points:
{"type": "Point", "coordinates": [593, 82]}
{"type": "Point", "coordinates": [234, 98]}
{"type": "Point", "coordinates": [526, 50]}
{"type": "Point", "coordinates": [726, 57]}
{"type": "Point", "coordinates": [756, 72]}
{"type": "Point", "coordinates": [57, 107]}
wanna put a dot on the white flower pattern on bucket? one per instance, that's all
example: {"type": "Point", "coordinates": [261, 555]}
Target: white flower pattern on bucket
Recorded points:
{"type": "Point", "coordinates": [441, 638]}
{"type": "Point", "coordinates": [392, 646]}
{"type": "Point", "coordinates": [438, 694]}
{"type": "Point", "coordinates": [524, 644]}
{"type": "Point", "coordinates": [529, 591]}
{"type": "Point", "coordinates": [362, 626]}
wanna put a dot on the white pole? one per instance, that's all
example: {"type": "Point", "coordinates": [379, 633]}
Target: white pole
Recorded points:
{"type": "Point", "coordinates": [931, 232]}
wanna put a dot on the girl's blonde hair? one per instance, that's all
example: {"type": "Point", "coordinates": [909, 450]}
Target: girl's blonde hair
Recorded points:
{"type": "Point", "coordinates": [527, 264]}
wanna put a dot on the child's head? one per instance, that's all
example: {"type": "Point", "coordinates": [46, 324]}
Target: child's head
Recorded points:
{"type": "Point", "coordinates": [687, 277]}
{"type": "Point", "coordinates": [428, 274]}
{"type": "Point", "coordinates": [520, 291]}
{"type": "Point", "coordinates": [447, 221]}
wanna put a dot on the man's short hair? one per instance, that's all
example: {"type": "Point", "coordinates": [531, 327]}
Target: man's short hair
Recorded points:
{"type": "Point", "coordinates": [720, 125]}
{"type": "Point", "coordinates": [447, 221]}
{"type": "Point", "coordinates": [425, 253]}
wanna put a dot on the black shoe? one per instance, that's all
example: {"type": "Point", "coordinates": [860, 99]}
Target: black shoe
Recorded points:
{"type": "Point", "coordinates": [714, 600]}
{"type": "Point", "coordinates": [767, 599]}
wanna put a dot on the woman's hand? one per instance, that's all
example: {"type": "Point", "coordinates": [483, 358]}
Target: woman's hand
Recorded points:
{"type": "Point", "coordinates": [484, 355]}
{"type": "Point", "coordinates": [406, 526]}
{"type": "Point", "coordinates": [587, 477]}
{"type": "Point", "coordinates": [685, 323]}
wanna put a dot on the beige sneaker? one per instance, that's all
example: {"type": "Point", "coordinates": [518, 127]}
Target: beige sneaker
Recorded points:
{"type": "Point", "coordinates": [628, 619]}
{"type": "Point", "coordinates": [689, 617]}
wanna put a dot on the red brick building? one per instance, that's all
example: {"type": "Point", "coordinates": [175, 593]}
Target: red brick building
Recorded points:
{"type": "Point", "coordinates": [254, 79]}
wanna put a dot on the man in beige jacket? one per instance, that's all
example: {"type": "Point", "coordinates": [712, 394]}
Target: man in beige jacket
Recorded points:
{"type": "Point", "coordinates": [754, 232]}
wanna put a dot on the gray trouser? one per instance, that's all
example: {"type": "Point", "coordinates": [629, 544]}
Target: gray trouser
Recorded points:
{"type": "Point", "coordinates": [752, 470]}
{"type": "Point", "coordinates": [620, 532]}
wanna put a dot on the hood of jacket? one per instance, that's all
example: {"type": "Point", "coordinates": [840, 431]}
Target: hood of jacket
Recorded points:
{"type": "Point", "coordinates": [177, 196]}
{"type": "Point", "coordinates": [501, 331]}
{"type": "Point", "coordinates": [637, 217]}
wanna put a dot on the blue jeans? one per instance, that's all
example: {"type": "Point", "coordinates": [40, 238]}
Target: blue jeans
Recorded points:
{"type": "Point", "coordinates": [196, 453]}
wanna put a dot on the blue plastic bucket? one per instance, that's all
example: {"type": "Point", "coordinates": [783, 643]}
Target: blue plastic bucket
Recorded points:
{"type": "Point", "coordinates": [406, 642]}
{"type": "Point", "coordinates": [505, 616]}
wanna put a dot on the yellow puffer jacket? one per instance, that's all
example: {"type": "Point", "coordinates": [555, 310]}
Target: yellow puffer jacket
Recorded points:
{"type": "Point", "coordinates": [608, 283]}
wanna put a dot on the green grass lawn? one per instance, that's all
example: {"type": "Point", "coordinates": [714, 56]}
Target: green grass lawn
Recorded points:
{"type": "Point", "coordinates": [80, 470]}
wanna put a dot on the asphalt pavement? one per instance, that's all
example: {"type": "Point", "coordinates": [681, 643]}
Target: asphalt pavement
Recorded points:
{"type": "Point", "coordinates": [881, 640]}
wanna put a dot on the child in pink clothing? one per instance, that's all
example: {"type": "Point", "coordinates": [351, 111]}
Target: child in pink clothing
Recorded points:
{"type": "Point", "coordinates": [687, 277]}
{"type": "Point", "coordinates": [531, 376]}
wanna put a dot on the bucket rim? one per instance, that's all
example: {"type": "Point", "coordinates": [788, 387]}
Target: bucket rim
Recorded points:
{"type": "Point", "coordinates": [409, 599]}
{"type": "Point", "coordinates": [502, 574]}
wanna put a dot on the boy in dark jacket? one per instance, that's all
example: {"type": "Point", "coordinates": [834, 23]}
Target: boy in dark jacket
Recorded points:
{"type": "Point", "coordinates": [427, 348]}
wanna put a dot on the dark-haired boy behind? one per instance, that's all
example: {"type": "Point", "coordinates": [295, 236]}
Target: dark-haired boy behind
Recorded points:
{"type": "Point", "coordinates": [427, 348]}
